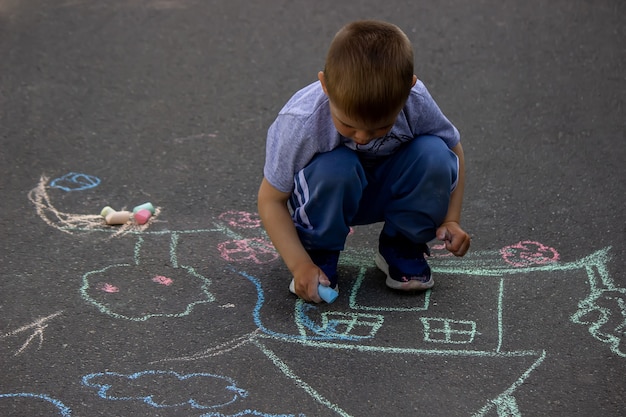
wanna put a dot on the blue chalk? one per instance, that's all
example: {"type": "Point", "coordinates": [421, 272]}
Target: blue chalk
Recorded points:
{"type": "Point", "coordinates": [327, 294]}
{"type": "Point", "coordinates": [144, 206]}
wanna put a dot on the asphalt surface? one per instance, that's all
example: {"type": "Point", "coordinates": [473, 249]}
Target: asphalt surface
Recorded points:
{"type": "Point", "coordinates": [124, 102]}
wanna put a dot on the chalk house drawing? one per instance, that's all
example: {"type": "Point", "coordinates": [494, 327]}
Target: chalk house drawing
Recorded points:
{"type": "Point", "coordinates": [356, 326]}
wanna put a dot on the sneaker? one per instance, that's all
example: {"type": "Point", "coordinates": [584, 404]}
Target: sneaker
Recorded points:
{"type": "Point", "coordinates": [404, 264]}
{"type": "Point", "coordinates": [327, 261]}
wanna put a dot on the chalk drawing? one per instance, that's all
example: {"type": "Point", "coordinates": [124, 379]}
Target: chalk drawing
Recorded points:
{"type": "Point", "coordinates": [152, 387]}
{"type": "Point", "coordinates": [255, 250]}
{"type": "Point", "coordinates": [63, 410]}
{"type": "Point", "coordinates": [215, 351]}
{"type": "Point", "coordinates": [74, 181]}
{"type": "Point", "coordinates": [528, 253]}
{"type": "Point", "coordinates": [250, 413]}
{"type": "Point", "coordinates": [604, 309]}
{"type": "Point", "coordinates": [161, 389]}
{"type": "Point", "coordinates": [159, 279]}
{"type": "Point", "coordinates": [132, 287]}
{"type": "Point", "coordinates": [106, 287]}
{"type": "Point", "coordinates": [358, 328]}
{"type": "Point", "coordinates": [534, 258]}
{"type": "Point", "coordinates": [448, 331]}
{"type": "Point", "coordinates": [306, 387]}
{"type": "Point", "coordinates": [505, 403]}
{"type": "Point", "coordinates": [37, 327]}
{"type": "Point", "coordinates": [337, 325]}
{"type": "Point", "coordinates": [241, 219]}
{"type": "Point", "coordinates": [72, 223]}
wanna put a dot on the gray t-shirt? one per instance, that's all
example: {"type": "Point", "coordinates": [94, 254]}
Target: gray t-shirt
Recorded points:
{"type": "Point", "coordinates": [304, 128]}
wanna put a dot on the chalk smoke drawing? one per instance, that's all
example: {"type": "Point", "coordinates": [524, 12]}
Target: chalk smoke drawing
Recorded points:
{"type": "Point", "coordinates": [74, 181]}
{"type": "Point", "coordinates": [37, 328]}
{"type": "Point", "coordinates": [602, 311]}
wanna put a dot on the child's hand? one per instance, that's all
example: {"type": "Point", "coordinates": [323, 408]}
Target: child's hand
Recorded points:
{"type": "Point", "coordinates": [306, 279]}
{"type": "Point", "coordinates": [456, 239]}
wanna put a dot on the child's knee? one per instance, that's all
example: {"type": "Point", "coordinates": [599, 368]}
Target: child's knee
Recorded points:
{"type": "Point", "coordinates": [433, 156]}
{"type": "Point", "coordinates": [338, 168]}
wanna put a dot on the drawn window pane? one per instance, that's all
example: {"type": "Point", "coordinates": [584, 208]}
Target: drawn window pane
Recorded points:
{"type": "Point", "coordinates": [350, 324]}
{"type": "Point", "coordinates": [439, 330]}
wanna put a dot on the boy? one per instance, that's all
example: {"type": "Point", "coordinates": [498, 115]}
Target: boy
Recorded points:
{"type": "Point", "coordinates": [365, 144]}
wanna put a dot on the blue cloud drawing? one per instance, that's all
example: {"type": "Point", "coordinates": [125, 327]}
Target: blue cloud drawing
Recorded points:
{"type": "Point", "coordinates": [62, 408]}
{"type": "Point", "coordinates": [251, 413]}
{"type": "Point", "coordinates": [162, 389]}
{"type": "Point", "coordinates": [74, 181]}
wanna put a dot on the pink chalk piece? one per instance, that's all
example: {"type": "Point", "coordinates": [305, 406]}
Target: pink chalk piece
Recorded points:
{"type": "Point", "coordinates": [106, 287]}
{"type": "Point", "coordinates": [160, 279]}
{"type": "Point", "coordinates": [142, 216]}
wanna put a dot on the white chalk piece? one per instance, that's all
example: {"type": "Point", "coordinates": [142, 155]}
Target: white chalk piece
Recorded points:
{"type": "Point", "coordinates": [106, 211]}
{"type": "Point", "coordinates": [144, 206]}
{"type": "Point", "coordinates": [118, 217]}
{"type": "Point", "coordinates": [327, 294]}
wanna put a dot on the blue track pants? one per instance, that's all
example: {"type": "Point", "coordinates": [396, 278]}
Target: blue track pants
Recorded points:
{"type": "Point", "coordinates": [409, 191]}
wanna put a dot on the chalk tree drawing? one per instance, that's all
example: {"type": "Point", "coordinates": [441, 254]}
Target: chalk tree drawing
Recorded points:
{"type": "Point", "coordinates": [357, 324]}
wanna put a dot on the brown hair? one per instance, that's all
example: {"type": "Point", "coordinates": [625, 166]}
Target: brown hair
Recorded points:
{"type": "Point", "coordinates": [369, 70]}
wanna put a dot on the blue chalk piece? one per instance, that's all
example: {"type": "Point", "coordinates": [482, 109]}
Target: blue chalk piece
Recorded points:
{"type": "Point", "coordinates": [144, 206]}
{"type": "Point", "coordinates": [327, 294]}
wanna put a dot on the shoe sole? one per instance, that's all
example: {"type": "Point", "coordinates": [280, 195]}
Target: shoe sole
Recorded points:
{"type": "Point", "coordinates": [412, 285]}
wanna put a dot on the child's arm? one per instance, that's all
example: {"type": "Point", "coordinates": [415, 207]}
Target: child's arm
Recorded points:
{"type": "Point", "coordinates": [456, 239]}
{"type": "Point", "coordinates": [278, 224]}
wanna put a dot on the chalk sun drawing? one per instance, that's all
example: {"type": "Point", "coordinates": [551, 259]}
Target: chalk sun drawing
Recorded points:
{"type": "Point", "coordinates": [72, 223]}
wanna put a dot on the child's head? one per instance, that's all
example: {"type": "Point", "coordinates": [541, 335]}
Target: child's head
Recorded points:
{"type": "Point", "coordinates": [369, 71]}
